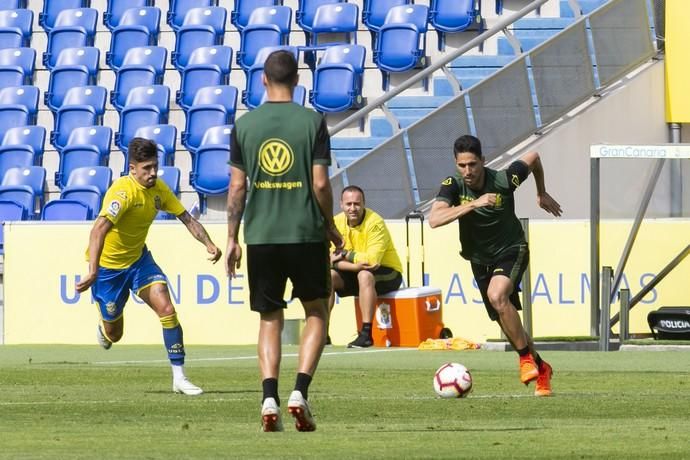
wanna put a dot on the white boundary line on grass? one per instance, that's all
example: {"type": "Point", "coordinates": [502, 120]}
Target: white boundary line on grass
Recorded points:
{"type": "Point", "coordinates": [243, 358]}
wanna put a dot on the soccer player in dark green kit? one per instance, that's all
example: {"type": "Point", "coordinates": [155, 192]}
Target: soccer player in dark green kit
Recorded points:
{"type": "Point", "coordinates": [280, 153]}
{"type": "Point", "coordinates": [481, 200]}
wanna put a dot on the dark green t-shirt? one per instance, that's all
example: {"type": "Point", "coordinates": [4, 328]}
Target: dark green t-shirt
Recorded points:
{"type": "Point", "coordinates": [276, 145]}
{"type": "Point", "coordinates": [486, 233]}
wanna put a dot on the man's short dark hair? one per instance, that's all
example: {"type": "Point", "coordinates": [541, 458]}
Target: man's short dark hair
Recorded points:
{"type": "Point", "coordinates": [281, 68]}
{"type": "Point", "coordinates": [352, 188]}
{"type": "Point", "coordinates": [467, 144]}
{"type": "Point", "coordinates": [141, 150]}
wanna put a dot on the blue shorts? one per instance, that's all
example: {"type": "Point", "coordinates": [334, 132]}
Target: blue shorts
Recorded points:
{"type": "Point", "coordinates": [112, 286]}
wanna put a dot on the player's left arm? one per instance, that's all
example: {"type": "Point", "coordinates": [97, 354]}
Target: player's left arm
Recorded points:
{"type": "Point", "coordinates": [199, 232]}
{"type": "Point", "coordinates": [533, 163]}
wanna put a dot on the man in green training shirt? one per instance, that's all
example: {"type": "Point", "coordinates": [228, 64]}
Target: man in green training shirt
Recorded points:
{"type": "Point", "coordinates": [481, 200]}
{"type": "Point", "coordinates": [280, 153]}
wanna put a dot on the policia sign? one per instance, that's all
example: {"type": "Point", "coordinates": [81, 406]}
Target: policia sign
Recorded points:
{"type": "Point", "coordinates": [670, 323]}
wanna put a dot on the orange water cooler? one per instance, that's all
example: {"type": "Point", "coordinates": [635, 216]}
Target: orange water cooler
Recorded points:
{"type": "Point", "coordinates": [406, 317]}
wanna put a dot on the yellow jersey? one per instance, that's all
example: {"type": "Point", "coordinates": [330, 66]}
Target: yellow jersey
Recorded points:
{"type": "Point", "coordinates": [131, 208]}
{"type": "Point", "coordinates": [369, 242]}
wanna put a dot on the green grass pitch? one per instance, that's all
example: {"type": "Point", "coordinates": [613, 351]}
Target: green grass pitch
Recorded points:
{"type": "Point", "coordinates": [81, 402]}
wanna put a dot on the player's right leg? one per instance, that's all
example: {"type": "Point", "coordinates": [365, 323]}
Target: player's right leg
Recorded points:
{"type": "Point", "coordinates": [111, 291]}
{"type": "Point", "coordinates": [267, 280]}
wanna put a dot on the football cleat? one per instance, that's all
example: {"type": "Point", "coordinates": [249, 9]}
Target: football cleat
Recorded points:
{"type": "Point", "coordinates": [362, 341]}
{"type": "Point", "coordinates": [543, 386]}
{"type": "Point", "coordinates": [528, 369]}
{"type": "Point", "coordinates": [186, 387]}
{"type": "Point", "coordinates": [299, 409]}
{"type": "Point", "coordinates": [102, 340]}
{"type": "Point", "coordinates": [270, 416]}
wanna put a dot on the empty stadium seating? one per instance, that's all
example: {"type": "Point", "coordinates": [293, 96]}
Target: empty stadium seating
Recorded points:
{"type": "Point", "coordinates": [26, 186]}
{"type": "Point", "coordinates": [66, 209]}
{"type": "Point", "coordinates": [88, 185]}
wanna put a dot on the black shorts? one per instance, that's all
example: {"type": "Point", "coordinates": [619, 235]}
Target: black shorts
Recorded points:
{"type": "Point", "coordinates": [512, 264]}
{"type": "Point", "coordinates": [387, 280]}
{"type": "Point", "coordinates": [269, 266]}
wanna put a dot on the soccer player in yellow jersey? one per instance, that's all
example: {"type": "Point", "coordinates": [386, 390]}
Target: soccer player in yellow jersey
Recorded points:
{"type": "Point", "coordinates": [368, 265]}
{"type": "Point", "coordinates": [119, 260]}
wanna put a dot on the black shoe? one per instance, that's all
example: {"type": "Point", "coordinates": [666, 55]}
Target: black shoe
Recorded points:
{"type": "Point", "coordinates": [362, 341]}
{"type": "Point", "coordinates": [328, 340]}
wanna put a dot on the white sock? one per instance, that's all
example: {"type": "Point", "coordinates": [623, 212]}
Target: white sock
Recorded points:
{"type": "Point", "coordinates": [178, 372]}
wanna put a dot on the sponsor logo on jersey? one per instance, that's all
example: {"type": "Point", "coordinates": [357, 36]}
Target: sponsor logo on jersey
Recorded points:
{"type": "Point", "coordinates": [276, 157]}
{"type": "Point", "coordinates": [515, 180]}
{"type": "Point", "coordinates": [448, 181]}
{"type": "Point", "coordinates": [114, 208]}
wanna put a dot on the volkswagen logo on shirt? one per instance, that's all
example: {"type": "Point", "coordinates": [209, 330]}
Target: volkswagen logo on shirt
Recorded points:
{"type": "Point", "coordinates": [276, 157]}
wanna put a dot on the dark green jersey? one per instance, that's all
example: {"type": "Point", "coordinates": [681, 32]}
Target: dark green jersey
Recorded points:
{"type": "Point", "coordinates": [276, 145]}
{"type": "Point", "coordinates": [485, 233]}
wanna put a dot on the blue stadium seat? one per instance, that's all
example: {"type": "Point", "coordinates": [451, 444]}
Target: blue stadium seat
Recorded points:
{"type": "Point", "coordinates": [213, 106]}
{"type": "Point", "coordinates": [18, 107]}
{"type": "Point", "coordinates": [217, 135]}
{"type": "Point", "coordinates": [63, 209]}
{"type": "Point", "coordinates": [179, 8]}
{"type": "Point", "coordinates": [201, 27]}
{"type": "Point", "coordinates": [52, 8]}
{"type": "Point", "coordinates": [86, 146]}
{"type": "Point", "coordinates": [374, 12]}
{"type": "Point", "coordinates": [138, 27]}
{"type": "Point", "coordinates": [335, 18]}
{"type": "Point", "coordinates": [73, 28]}
{"type": "Point", "coordinates": [268, 26]}
{"type": "Point", "coordinates": [210, 173]}
{"type": "Point", "coordinates": [165, 137]}
{"type": "Point", "coordinates": [338, 79]}
{"type": "Point", "coordinates": [17, 66]}
{"type": "Point", "coordinates": [142, 66]}
{"type": "Point", "coordinates": [74, 67]}
{"type": "Point", "coordinates": [115, 9]}
{"type": "Point", "coordinates": [244, 8]}
{"type": "Point", "coordinates": [28, 138]}
{"type": "Point", "coordinates": [146, 105]}
{"type": "Point", "coordinates": [15, 157]}
{"type": "Point", "coordinates": [88, 185]}
{"type": "Point", "coordinates": [208, 66]}
{"type": "Point", "coordinates": [306, 10]}
{"type": "Point", "coordinates": [12, 4]}
{"type": "Point", "coordinates": [83, 106]}
{"type": "Point", "coordinates": [253, 94]}
{"type": "Point", "coordinates": [12, 116]}
{"type": "Point", "coordinates": [401, 41]}
{"type": "Point", "coordinates": [16, 27]}
{"type": "Point", "coordinates": [25, 185]}
{"type": "Point", "coordinates": [451, 16]}
{"type": "Point", "coordinates": [10, 211]}
{"type": "Point", "coordinates": [171, 176]}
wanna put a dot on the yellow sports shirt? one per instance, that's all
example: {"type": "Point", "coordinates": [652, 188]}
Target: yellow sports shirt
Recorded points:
{"type": "Point", "coordinates": [131, 208]}
{"type": "Point", "coordinates": [370, 241]}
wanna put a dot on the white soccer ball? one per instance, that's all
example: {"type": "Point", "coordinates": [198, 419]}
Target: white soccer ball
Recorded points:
{"type": "Point", "coordinates": [452, 380]}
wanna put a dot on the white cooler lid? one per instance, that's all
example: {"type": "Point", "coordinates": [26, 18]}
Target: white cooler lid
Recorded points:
{"type": "Point", "coordinates": [412, 293]}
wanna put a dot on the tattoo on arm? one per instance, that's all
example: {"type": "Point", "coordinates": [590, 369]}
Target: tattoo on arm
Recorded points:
{"type": "Point", "coordinates": [195, 228]}
{"type": "Point", "coordinates": [235, 211]}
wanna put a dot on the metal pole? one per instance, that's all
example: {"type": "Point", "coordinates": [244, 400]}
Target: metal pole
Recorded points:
{"type": "Point", "coordinates": [605, 332]}
{"type": "Point", "coordinates": [594, 246]}
{"type": "Point", "coordinates": [641, 210]}
{"type": "Point", "coordinates": [624, 329]}
{"type": "Point", "coordinates": [676, 179]}
{"type": "Point", "coordinates": [526, 286]}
